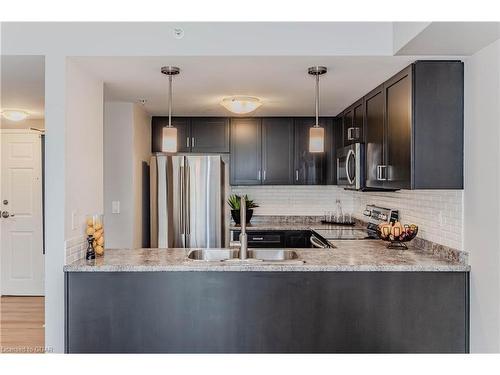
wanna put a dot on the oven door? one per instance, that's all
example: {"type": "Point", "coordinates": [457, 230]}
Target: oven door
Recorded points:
{"type": "Point", "coordinates": [350, 166]}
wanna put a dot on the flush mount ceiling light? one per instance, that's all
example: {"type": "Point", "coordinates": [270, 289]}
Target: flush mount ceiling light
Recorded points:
{"type": "Point", "coordinates": [241, 104]}
{"type": "Point", "coordinates": [317, 133]}
{"type": "Point", "coordinates": [169, 135]}
{"type": "Point", "coordinates": [15, 114]}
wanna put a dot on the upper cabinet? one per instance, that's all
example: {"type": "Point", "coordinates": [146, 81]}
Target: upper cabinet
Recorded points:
{"type": "Point", "coordinates": [262, 151]}
{"type": "Point", "coordinates": [309, 168]}
{"type": "Point", "coordinates": [414, 128]}
{"type": "Point", "coordinates": [210, 134]}
{"type": "Point", "coordinates": [277, 151]}
{"type": "Point", "coordinates": [245, 163]}
{"type": "Point", "coordinates": [353, 120]}
{"type": "Point", "coordinates": [196, 134]}
{"type": "Point", "coordinates": [374, 136]}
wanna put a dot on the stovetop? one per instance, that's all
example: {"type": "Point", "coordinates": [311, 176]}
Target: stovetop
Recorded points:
{"type": "Point", "coordinates": [344, 234]}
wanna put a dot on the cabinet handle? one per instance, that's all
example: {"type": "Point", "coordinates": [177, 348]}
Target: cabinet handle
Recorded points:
{"type": "Point", "coordinates": [257, 238]}
{"type": "Point", "coordinates": [296, 175]}
{"type": "Point", "coordinates": [264, 175]}
{"type": "Point", "coordinates": [352, 134]}
{"type": "Point", "coordinates": [258, 175]}
{"type": "Point", "coordinates": [192, 142]}
{"type": "Point", "coordinates": [380, 172]}
{"type": "Point", "coordinates": [187, 142]}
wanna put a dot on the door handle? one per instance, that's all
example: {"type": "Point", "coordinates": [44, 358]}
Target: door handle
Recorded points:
{"type": "Point", "coordinates": [264, 175]}
{"type": "Point", "coordinates": [192, 142]}
{"type": "Point", "coordinates": [259, 175]}
{"type": "Point", "coordinates": [187, 142]}
{"type": "Point", "coordinates": [296, 175]}
{"type": "Point", "coordinates": [348, 160]}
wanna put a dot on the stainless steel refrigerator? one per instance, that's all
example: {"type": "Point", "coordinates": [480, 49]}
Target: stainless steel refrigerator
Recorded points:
{"type": "Point", "coordinates": [187, 198]}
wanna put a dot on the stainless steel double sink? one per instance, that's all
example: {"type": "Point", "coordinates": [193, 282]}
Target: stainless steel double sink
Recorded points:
{"type": "Point", "coordinates": [254, 255]}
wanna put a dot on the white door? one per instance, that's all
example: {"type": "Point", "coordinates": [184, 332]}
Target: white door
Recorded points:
{"type": "Point", "coordinates": [22, 260]}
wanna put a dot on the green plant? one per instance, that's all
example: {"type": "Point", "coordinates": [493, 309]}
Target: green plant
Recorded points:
{"type": "Point", "coordinates": [235, 200]}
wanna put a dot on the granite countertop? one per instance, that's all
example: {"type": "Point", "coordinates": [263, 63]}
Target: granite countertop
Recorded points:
{"type": "Point", "coordinates": [349, 255]}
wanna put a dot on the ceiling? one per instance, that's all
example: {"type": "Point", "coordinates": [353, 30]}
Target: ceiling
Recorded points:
{"type": "Point", "coordinates": [281, 82]}
{"type": "Point", "coordinates": [23, 84]}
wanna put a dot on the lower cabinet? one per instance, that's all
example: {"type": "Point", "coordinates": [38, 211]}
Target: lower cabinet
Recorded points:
{"type": "Point", "coordinates": [299, 239]}
{"type": "Point", "coordinates": [267, 312]}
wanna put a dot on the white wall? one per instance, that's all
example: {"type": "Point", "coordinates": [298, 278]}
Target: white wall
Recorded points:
{"type": "Point", "coordinates": [127, 143]}
{"type": "Point", "coordinates": [84, 148]}
{"type": "Point", "coordinates": [118, 174]}
{"type": "Point", "coordinates": [481, 196]}
{"type": "Point", "coordinates": [403, 32]}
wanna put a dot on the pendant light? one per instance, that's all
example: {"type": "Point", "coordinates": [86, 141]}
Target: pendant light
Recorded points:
{"type": "Point", "coordinates": [169, 136]}
{"type": "Point", "coordinates": [317, 133]}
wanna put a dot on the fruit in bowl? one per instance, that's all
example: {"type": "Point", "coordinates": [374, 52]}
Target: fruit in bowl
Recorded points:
{"type": "Point", "coordinates": [397, 232]}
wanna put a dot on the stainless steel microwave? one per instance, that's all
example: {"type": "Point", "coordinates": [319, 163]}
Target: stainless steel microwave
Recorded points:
{"type": "Point", "coordinates": [351, 166]}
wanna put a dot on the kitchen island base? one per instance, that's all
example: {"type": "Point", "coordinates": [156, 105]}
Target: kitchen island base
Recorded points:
{"type": "Point", "coordinates": [267, 312]}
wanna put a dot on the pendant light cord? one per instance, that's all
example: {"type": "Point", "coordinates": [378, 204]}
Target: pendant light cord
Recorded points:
{"type": "Point", "coordinates": [317, 101]}
{"type": "Point", "coordinates": [170, 92]}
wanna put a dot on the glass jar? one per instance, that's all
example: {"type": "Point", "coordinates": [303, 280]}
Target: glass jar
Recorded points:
{"type": "Point", "coordinates": [95, 228]}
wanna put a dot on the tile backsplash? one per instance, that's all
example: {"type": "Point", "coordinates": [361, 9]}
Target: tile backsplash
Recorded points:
{"type": "Point", "coordinates": [438, 213]}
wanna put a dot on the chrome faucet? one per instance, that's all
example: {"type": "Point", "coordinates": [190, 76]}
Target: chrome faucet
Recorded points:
{"type": "Point", "coordinates": [243, 223]}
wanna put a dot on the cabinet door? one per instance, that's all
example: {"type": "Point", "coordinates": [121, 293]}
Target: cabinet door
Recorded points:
{"type": "Point", "coordinates": [334, 142]}
{"type": "Point", "coordinates": [210, 135]}
{"type": "Point", "coordinates": [183, 133]}
{"type": "Point", "coordinates": [347, 120]}
{"type": "Point", "coordinates": [398, 130]}
{"type": "Point", "coordinates": [358, 119]}
{"type": "Point", "coordinates": [245, 151]}
{"type": "Point", "coordinates": [277, 151]}
{"type": "Point", "coordinates": [374, 137]}
{"type": "Point", "coordinates": [310, 168]}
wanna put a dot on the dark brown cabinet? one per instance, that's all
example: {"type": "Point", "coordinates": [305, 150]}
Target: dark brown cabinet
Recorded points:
{"type": "Point", "coordinates": [414, 128]}
{"type": "Point", "coordinates": [210, 134]}
{"type": "Point", "coordinates": [397, 167]}
{"type": "Point", "coordinates": [194, 134]}
{"type": "Point", "coordinates": [277, 151]}
{"type": "Point", "coordinates": [334, 141]}
{"type": "Point", "coordinates": [246, 146]}
{"type": "Point", "coordinates": [309, 168]}
{"type": "Point", "coordinates": [374, 136]}
{"type": "Point", "coordinates": [353, 121]}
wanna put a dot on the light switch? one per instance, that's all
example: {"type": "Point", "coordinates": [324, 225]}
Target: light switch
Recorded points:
{"type": "Point", "coordinates": [115, 207]}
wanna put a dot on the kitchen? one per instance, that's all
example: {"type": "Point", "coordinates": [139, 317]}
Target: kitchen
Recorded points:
{"type": "Point", "coordinates": [106, 101]}
{"type": "Point", "coordinates": [322, 189]}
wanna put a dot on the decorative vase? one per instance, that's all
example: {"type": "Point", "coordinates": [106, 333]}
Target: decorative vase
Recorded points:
{"type": "Point", "coordinates": [235, 214]}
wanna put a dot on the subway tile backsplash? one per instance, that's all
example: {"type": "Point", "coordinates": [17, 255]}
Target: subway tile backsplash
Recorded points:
{"type": "Point", "coordinates": [438, 213]}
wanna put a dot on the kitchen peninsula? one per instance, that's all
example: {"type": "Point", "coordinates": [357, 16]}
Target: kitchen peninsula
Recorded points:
{"type": "Point", "coordinates": [357, 297]}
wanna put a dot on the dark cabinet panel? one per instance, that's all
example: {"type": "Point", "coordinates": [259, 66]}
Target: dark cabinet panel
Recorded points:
{"type": "Point", "coordinates": [374, 137]}
{"type": "Point", "coordinates": [438, 115]}
{"type": "Point", "coordinates": [310, 168]}
{"type": "Point", "coordinates": [183, 133]}
{"type": "Point", "coordinates": [298, 239]}
{"type": "Point", "coordinates": [210, 134]}
{"type": "Point", "coordinates": [267, 312]}
{"type": "Point", "coordinates": [246, 151]}
{"type": "Point", "coordinates": [277, 151]}
{"type": "Point", "coordinates": [334, 142]}
{"type": "Point", "coordinates": [398, 124]}
{"type": "Point", "coordinates": [353, 119]}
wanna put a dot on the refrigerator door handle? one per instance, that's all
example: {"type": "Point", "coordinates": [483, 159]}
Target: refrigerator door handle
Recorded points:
{"type": "Point", "coordinates": [188, 204]}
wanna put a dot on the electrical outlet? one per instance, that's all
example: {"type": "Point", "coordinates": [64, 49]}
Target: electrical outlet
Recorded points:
{"type": "Point", "coordinates": [115, 207]}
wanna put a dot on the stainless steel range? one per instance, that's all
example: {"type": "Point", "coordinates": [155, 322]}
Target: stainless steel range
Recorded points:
{"type": "Point", "coordinates": [375, 214]}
